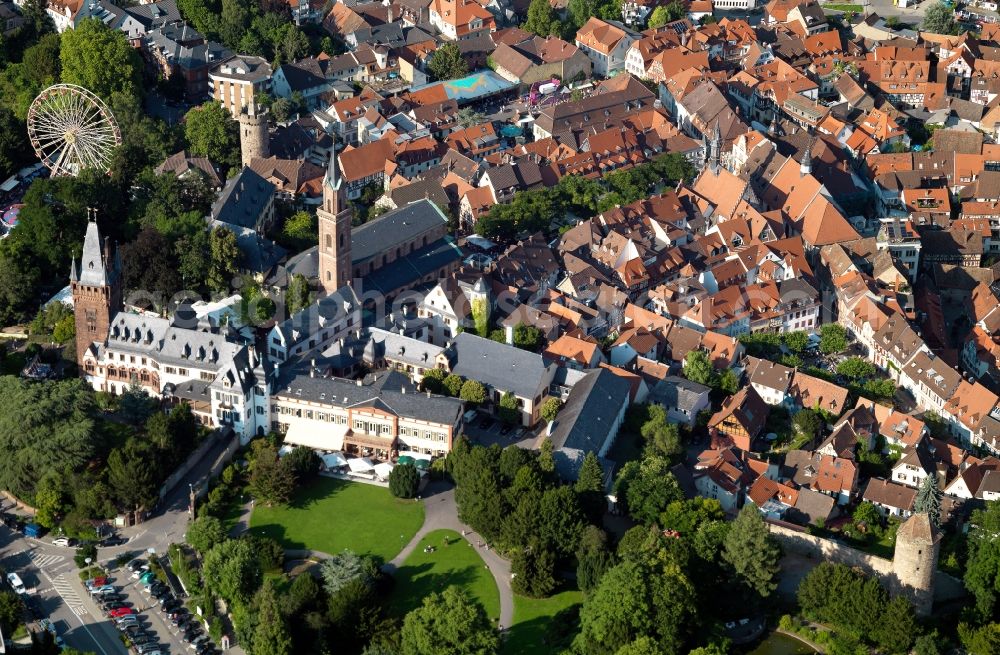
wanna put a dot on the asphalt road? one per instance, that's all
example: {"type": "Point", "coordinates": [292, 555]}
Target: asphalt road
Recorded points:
{"type": "Point", "coordinates": [50, 574]}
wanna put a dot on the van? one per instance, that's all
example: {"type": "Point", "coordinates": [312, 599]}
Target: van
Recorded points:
{"type": "Point", "coordinates": [15, 583]}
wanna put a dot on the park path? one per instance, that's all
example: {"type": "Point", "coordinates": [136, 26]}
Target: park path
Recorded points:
{"type": "Point", "coordinates": [441, 513]}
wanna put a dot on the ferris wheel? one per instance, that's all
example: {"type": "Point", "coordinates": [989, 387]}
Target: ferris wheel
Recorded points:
{"type": "Point", "coordinates": [72, 129]}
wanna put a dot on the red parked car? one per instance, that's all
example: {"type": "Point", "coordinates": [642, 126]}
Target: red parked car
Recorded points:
{"type": "Point", "coordinates": [121, 611]}
{"type": "Point", "coordinates": [97, 582]}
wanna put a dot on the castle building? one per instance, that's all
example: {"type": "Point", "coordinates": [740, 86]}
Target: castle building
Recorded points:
{"type": "Point", "coordinates": [290, 386]}
{"type": "Point", "coordinates": [117, 349]}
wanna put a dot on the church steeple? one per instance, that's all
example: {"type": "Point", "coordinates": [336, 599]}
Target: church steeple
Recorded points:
{"type": "Point", "coordinates": [715, 149]}
{"type": "Point", "coordinates": [334, 218]}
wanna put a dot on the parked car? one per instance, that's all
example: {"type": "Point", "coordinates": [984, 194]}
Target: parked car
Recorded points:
{"type": "Point", "coordinates": [198, 641]}
{"type": "Point", "coordinates": [205, 648]}
{"type": "Point", "coordinates": [99, 581]}
{"type": "Point", "coordinates": [141, 572]}
{"type": "Point", "coordinates": [148, 648]}
{"type": "Point", "coordinates": [63, 541]}
{"type": "Point", "coordinates": [15, 583]}
{"type": "Point", "coordinates": [111, 607]}
{"type": "Point", "coordinates": [121, 611]}
{"type": "Point", "coordinates": [144, 638]}
{"type": "Point", "coordinates": [135, 565]}
{"type": "Point", "coordinates": [114, 540]}
{"type": "Point", "coordinates": [106, 589]}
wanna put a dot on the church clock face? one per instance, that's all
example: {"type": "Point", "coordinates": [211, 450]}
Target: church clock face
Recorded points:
{"type": "Point", "coordinates": [92, 320]}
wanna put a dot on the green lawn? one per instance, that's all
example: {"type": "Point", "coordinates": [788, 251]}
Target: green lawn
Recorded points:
{"type": "Point", "coordinates": [534, 625]}
{"type": "Point", "coordinates": [333, 515]}
{"type": "Point", "coordinates": [456, 563]}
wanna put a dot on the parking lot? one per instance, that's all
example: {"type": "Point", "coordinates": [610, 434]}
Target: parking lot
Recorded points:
{"type": "Point", "coordinates": [148, 612]}
{"type": "Point", "coordinates": [486, 430]}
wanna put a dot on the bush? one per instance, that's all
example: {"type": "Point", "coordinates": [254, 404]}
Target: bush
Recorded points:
{"type": "Point", "coordinates": [87, 551]}
{"type": "Point", "coordinates": [404, 480]}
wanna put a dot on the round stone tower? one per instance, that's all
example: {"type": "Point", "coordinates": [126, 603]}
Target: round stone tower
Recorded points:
{"type": "Point", "coordinates": [914, 562]}
{"type": "Point", "coordinates": [254, 137]}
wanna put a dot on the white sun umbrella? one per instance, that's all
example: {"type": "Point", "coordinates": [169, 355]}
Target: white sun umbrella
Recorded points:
{"type": "Point", "coordinates": [383, 470]}
{"type": "Point", "coordinates": [334, 460]}
{"type": "Point", "coordinates": [360, 465]}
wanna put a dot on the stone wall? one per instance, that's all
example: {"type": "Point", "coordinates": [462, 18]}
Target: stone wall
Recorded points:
{"type": "Point", "coordinates": [819, 549]}
{"type": "Point", "coordinates": [816, 549]}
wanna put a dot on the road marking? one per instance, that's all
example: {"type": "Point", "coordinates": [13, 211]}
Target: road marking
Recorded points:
{"type": "Point", "coordinates": [79, 617]}
{"type": "Point", "coordinates": [67, 590]}
{"type": "Point", "coordinates": [41, 560]}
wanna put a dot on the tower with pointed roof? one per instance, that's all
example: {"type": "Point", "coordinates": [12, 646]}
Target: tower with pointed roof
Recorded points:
{"type": "Point", "coordinates": [715, 149]}
{"type": "Point", "coordinates": [334, 218]}
{"type": "Point", "coordinates": [915, 559]}
{"type": "Point", "coordinates": [96, 285]}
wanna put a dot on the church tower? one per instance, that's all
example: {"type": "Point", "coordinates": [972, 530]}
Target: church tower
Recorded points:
{"type": "Point", "coordinates": [334, 217]}
{"type": "Point", "coordinates": [254, 137]}
{"type": "Point", "coordinates": [915, 559]}
{"type": "Point", "coordinates": [97, 291]}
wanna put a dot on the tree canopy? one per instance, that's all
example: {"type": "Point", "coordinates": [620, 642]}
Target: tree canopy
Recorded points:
{"type": "Point", "coordinates": [211, 132]}
{"type": "Point", "coordinates": [100, 59]}
{"type": "Point", "coordinates": [448, 623]}
{"type": "Point", "coordinates": [44, 427]}
{"type": "Point", "coordinates": [752, 552]}
{"type": "Point", "coordinates": [940, 19]}
{"type": "Point", "coordinates": [448, 63]}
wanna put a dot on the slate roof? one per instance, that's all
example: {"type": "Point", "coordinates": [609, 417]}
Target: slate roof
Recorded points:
{"type": "Point", "coordinates": [155, 14]}
{"type": "Point", "coordinates": [242, 199]}
{"type": "Point", "coordinates": [394, 227]}
{"type": "Point", "coordinates": [498, 365]}
{"type": "Point", "coordinates": [414, 266]}
{"type": "Point", "coordinates": [587, 419]}
{"type": "Point", "coordinates": [297, 384]}
{"type": "Point", "coordinates": [675, 391]}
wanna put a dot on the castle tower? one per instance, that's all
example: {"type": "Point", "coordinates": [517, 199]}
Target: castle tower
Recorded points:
{"type": "Point", "coordinates": [334, 217]}
{"type": "Point", "coordinates": [254, 137]}
{"type": "Point", "coordinates": [97, 291]}
{"type": "Point", "coordinates": [915, 561]}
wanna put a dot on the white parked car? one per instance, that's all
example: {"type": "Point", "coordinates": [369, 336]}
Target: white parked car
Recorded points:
{"type": "Point", "coordinates": [62, 541]}
{"type": "Point", "coordinates": [15, 582]}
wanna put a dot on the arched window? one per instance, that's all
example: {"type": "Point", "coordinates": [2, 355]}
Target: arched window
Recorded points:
{"type": "Point", "coordinates": [329, 276]}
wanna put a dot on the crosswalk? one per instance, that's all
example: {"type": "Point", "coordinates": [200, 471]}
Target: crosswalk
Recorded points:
{"type": "Point", "coordinates": [43, 560]}
{"type": "Point", "coordinates": [67, 588]}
